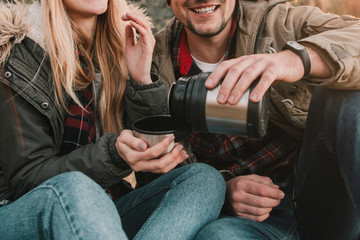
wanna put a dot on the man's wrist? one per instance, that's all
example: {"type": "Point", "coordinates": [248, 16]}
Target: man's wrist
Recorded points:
{"type": "Point", "coordinates": [301, 51]}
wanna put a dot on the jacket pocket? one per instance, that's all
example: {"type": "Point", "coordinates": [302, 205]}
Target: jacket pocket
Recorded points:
{"type": "Point", "coordinates": [291, 101]}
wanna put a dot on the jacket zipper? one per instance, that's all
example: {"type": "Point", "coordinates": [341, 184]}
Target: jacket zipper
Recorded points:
{"type": "Point", "coordinates": [262, 25]}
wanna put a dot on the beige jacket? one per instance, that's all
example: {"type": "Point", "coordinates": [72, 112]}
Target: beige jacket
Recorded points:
{"type": "Point", "coordinates": [264, 27]}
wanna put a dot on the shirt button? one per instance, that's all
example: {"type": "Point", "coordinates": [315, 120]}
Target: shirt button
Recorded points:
{"type": "Point", "coordinates": [8, 74]}
{"type": "Point", "coordinates": [44, 105]}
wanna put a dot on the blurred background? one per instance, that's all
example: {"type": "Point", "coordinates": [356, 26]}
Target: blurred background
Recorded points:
{"type": "Point", "coordinates": [161, 13]}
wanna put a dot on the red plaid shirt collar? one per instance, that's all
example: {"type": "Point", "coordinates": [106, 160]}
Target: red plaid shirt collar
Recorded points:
{"type": "Point", "coordinates": [183, 63]}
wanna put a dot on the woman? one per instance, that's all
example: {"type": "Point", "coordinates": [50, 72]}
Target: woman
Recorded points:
{"type": "Point", "coordinates": [64, 67]}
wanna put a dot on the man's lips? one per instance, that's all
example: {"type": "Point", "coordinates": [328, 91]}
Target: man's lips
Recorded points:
{"type": "Point", "coordinates": [204, 10]}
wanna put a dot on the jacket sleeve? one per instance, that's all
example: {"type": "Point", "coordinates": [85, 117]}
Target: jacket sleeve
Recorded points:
{"type": "Point", "coordinates": [144, 100]}
{"type": "Point", "coordinates": [28, 154]}
{"type": "Point", "coordinates": [335, 38]}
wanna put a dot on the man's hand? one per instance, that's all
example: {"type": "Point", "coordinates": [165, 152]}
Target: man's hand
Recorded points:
{"type": "Point", "coordinates": [252, 196]}
{"type": "Point", "coordinates": [239, 73]}
{"type": "Point", "coordinates": [140, 158]}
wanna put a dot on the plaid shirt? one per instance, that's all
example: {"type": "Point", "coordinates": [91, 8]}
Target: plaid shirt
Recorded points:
{"type": "Point", "coordinates": [273, 155]}
{"type": "Point", "coordinates": [79, 125]}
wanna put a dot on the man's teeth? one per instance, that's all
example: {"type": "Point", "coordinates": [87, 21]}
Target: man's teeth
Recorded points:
{"type": "Point", "coordinates": [205, 10]}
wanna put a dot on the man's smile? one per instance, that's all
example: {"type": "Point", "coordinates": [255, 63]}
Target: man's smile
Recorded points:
{"type": "Point", "coordinates": [204, 10]}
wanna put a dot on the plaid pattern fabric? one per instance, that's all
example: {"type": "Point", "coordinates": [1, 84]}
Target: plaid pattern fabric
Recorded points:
{"type": "Point", "coordinates": [79, 125]}
{"type": "Point", "coordinates": [274, 154]}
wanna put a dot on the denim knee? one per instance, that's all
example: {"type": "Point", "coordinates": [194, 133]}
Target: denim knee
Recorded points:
{"type": "Point", "coordinates": [208, 179]}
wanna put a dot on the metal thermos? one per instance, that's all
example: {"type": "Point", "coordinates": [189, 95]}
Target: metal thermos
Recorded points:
{"type": "Point", "coordinates": [190, 102]}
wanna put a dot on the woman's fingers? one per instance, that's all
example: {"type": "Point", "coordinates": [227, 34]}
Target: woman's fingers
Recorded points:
{"type": "Point", "coordinates": [163, 164]}
{"type": "Point", "coordinates": [127, 138]}
{"type": "Point", "coordinates": [141, 157]}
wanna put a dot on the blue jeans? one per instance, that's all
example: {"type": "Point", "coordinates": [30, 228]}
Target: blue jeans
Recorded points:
{"type": "Point", "coordinates": [327, 173]}
{"type": "Point", "coordinates": [175, 205]}
{"type": "Point", "coordinates": [71, 206]}
{"type": "Point", "coordinates": [68, 206]}
{"type": "Point", "coordinates": [280, 225]}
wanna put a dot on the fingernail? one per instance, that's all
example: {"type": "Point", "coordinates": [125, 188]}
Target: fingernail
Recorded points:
{"type": "Point", "coordinates": [142, 146]}
{"type": "Point", "coordinates": [123, 16]}
{"type": "Point", "coordinates": [183, 155]}
{"type": "Point", "coordinates": [254, 97]}
{"type": "Point", "coordinates": [209, 82]}
{"type": "Point", "coordinates": [221, 98]}
{"type": "Point", "coordinates": [179, 148]}
{"type": "Point", "coordinates": [171, 138]}
{"type": "Point", "coordinates": [281, 195]}
{"type": "Point", "coordinates": [231, 99]}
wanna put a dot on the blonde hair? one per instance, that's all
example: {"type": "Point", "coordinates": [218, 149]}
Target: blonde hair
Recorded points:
{"type": "Point", "coordinates": [64, 40]}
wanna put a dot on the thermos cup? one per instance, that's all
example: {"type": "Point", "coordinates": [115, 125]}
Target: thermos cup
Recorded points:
{"type": "Point", "coordinates": [191, 103]}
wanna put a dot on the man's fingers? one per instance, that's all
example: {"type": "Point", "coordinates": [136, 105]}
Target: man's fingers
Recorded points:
{"type": "Point", "coordinates": [265, 191]}
{"type": "Point", "coordinates": [266, 80]}
{"type": "Point", "coordinates": [261, 186]}
{"type": "Point", "coordinates": [244, 187]}
{"type": "Point", "coordinates": [237, 80]}
{"type": "Point", "coordinates": [259, 201]}
{"type": "Point", "coordinates": [261, 179]}
{"type": "Point", "coordinates": [219, 73]}
{"type": "Point", "coordinates": [253, 217]}
{"type": "Point", "coordinates": [250, 210]}
{"type": "Point", "coordinates": [249, 74]}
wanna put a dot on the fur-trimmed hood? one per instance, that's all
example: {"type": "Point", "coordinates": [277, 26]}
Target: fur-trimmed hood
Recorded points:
{"type": "Point", "coordinates": [18, 21]}
{"type": "Point", "coordinates": [13, 27]}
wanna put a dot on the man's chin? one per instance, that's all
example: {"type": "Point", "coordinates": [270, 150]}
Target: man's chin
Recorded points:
{"type": "Point", "coordinates": [206, 30]}
{"type": "Point", "coordinates": [206, 33]}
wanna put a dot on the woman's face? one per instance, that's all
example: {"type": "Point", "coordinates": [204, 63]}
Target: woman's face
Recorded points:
{"type": "Point", "coordinates": [83, 9]}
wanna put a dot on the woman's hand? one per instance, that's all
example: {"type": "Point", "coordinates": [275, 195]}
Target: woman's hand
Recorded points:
{"type": "Point", "coordinates": [139, 54]}
{"type": "Point", "coordinates": [140, 158]}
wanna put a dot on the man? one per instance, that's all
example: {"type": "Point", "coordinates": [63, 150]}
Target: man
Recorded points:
{"type": "Point", "coordinates": [233, 40]}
